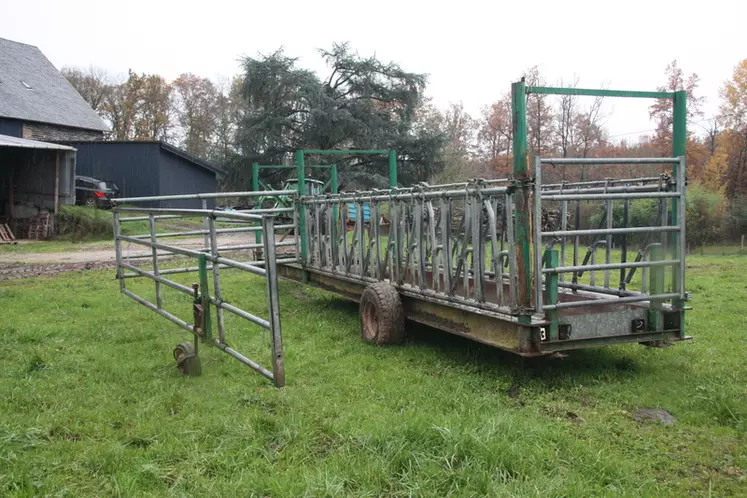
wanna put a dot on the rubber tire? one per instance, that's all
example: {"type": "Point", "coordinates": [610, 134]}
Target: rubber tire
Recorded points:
{"type": "Point", "coordinates": [382, 315]}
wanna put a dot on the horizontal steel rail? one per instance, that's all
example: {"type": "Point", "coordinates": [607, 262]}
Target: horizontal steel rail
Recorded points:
{"type": "Point", "coordinates": [215, 195]}
{"type": "Point", "coordinates": [192, 269]}
{"type": "Point", "coordinates": [612, 300]}
{"type": "Point", "coordinates": [189, 233]}
{"type": "Point", "coordinates": [146, 218]}
{"type": "Point", "coordinates": [172, 318]}
{"type": "Point", "coordinates": [610, 197]}
{"type": "Point", "coordinates": [158, 278]}
{"type": "Point", "coordinates": [246, 361]}
{"type": "Point", "coordinates": [607, 181]}
{"type": "Point", "coordinates": [189, 252]}
{"type": "Point", "coordinates": [610, 231]}
{"type": "Point", "coordinates": [395, 195]}
{"type": "Point", "coordinates": [602, 190]}
{"type": "Point", "coordinates": [611, 266]}
{"type": "Point", "coordinates": [212, 213]}
{"type": "Point", "coordinates": [239, 312]}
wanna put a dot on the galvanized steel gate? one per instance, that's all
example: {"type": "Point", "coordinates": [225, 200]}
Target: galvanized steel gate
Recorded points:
{"type": "Point", "coordinates": [210, 259]}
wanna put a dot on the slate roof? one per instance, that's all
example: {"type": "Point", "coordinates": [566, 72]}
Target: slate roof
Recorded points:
{"type": "Point", "coordinates": [32, 89]}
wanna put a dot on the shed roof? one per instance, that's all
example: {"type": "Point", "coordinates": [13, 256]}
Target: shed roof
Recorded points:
{"type": "Point", "coordinates": [163, 145]}
{"type": "Point", "coordinates": [32, 89]}
{"type": "Point", "coordinates": [7, 141]}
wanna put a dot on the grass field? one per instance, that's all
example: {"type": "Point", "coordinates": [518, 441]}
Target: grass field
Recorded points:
{"type": "Point", "coordinates": [92, 405]}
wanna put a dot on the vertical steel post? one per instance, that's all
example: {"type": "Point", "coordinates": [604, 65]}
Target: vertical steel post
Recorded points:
{"type": "Point", "coordinates": [118, 251]}
{"type": "Point", "coordinates": [563, 227]}
{"type": "Point", "coordinates": [551, 294]}
{"type": "Point", "coordinates": [521, 198]}
{"type": "Point", "coordinates": [420, 241]}
{"type": "Point", "coordinates": [624, 245]}
{"type": "Point", "coordinates": [396, 241]}
{"type": "Point", "coordinates": [273, 301]}
{"type": "Point", "coordinates": [682, 252]}
{"type": "Point", "coordinates": [608, 245]}
{"type": "Point", "coordinates": [360, 236]}
{"type": "Point", "coordinates": [300, 169]}
{"type": "Point", "coordinates": [317, 240]}
{"type": "Point", "coordinates": [513, 277]}
{"type": "Point", "coordinates": [679, 149]}
{"type": "Point", "coordinates": [478, 247]}
{"type": "Point", "coordinates": [537, 235]}
{"type": "Point", "coordinates": [154, 252]}
{"type": "Point", "coordinates": [435, 270]}
{"type": "Point", "coordinates": [255, 188]}
{"type": "Point", "coordinates": [375, 229]}
{"type": "Point", "coordinates": [446, 242]}
{"type": "Point", "coordinates": [392, 168]}
{"type": "Point", "coordinates": [205, 226]}
{"type": "Point", "coordinates": [334, 185]}
{"type": "Point", "coordinates": [216, 281]}
{"type": "Point", "coordinates": [207, 330]}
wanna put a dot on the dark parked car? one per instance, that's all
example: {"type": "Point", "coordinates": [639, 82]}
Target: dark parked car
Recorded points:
{"type": "Point", "coordinates": [94, 193]}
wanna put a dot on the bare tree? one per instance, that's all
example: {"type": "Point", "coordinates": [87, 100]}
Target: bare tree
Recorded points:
{"type": "Point", "coordinates": [196, 105]}
{"type": "Point", "coordinates": [93, 84]}
{"type": "Point", "coordinates": [495, 135]}
{"type": "Point", "coordinates": [662, 110]}
{"type": "Point", "coordinates": [566, 122]}
{"type": "Point", "coordinates": [589, 129]}
{"type": "Point", "coordinates": [227, 116]}
{"type": "Point", "coordinates": [539, 114]}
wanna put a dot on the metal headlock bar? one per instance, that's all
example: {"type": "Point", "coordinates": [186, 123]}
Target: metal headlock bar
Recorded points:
{"type": "Point", "coordinates": [447, 244]}
{"type": "Point", "coordinates": [210, 252]}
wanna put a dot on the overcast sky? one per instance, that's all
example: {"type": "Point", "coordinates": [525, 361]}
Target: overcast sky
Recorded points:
{"type": "Point", "coordinates": [471, 50]}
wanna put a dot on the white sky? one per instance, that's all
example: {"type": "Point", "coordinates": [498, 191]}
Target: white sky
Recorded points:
{"type": "Point", "coordinates": [471, 50]}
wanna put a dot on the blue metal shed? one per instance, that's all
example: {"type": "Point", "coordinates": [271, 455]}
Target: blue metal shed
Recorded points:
{"type": "Point", "coordinates": [147, 168]}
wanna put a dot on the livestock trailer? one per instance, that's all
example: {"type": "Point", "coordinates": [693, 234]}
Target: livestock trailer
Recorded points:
{"type": "Point", "coordinates": [505, 262]}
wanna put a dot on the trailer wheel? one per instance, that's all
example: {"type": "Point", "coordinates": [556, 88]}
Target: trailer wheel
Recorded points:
{"type": "Point", "coordinates": [187, 361]}
{"type": "Point", "coordinates": [382, 315]}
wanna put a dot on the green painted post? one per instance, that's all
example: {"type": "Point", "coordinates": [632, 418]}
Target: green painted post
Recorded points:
{"type": "Point", "coordinates": [521, 201]}
{"type": "Point", "coordinates": [334, 184]}
{"type": "Point", "coordinates": [656, 286]}
{"type": "Point", "coordinates": [392, 168]}
{"type": "Point", "coordinates": [551, 293]}
{"type": "Point", "coordinates": [255, 188]}
{"type": "Point", "coordinates": [300, 169]}
{"type": "Point", "coordinates": [679, 149]}
{"type": "Point", "coordinates": [207, 332]}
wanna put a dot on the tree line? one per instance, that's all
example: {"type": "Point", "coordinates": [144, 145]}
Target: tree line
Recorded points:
{"type": "Point", "coordinates": [274, 107]}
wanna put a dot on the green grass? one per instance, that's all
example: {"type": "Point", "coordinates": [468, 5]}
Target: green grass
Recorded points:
{"type": "Point", "coordinates": [92, 405]}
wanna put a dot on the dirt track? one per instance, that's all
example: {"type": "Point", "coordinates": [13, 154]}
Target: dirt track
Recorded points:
{"type": "Point", "coordinates": [86, 257]}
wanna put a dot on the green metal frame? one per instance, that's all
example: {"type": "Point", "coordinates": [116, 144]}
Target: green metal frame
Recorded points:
{"type": "Point", "coordinates": [257, 182]}
{"type": "Point", "coordinates": [522, 230]}
{"type": "Point", "coordinates": [301, 169]}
